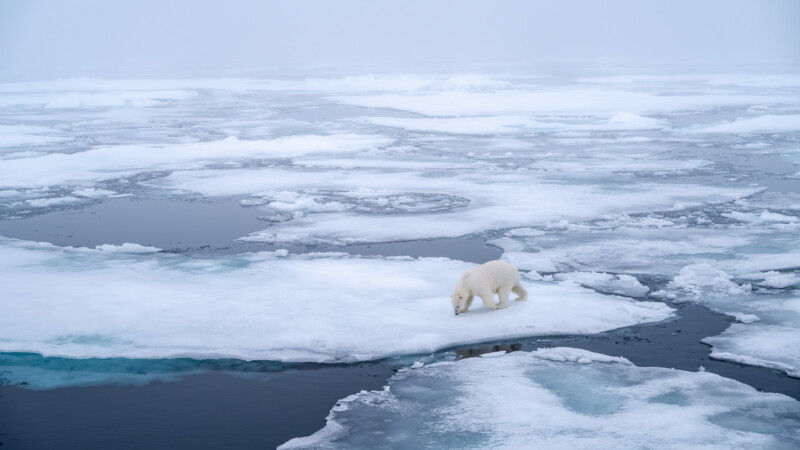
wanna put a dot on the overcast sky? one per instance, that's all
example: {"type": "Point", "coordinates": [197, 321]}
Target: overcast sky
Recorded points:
{"type": "Point", "coordinates": [70, 37]}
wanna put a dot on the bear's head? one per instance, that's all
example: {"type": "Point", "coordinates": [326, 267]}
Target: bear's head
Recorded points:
{"type": "Point", "coordinates": [459, 302]}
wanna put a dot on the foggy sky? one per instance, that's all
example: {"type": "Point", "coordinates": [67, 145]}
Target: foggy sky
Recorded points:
{"type": "Point", "coordinates": [74, 36]}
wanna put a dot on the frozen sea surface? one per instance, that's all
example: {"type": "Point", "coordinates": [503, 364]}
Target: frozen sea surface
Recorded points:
{"type": "Point", "coordinates": [221, 218]}
{"type": "Point", "coordinates": [276, 306]}
{"type": "Point", "coordinates": [557, 398]}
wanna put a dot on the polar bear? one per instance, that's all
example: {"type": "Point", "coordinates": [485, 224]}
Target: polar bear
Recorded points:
{"type": "Point", "coordinates": [484, 281]}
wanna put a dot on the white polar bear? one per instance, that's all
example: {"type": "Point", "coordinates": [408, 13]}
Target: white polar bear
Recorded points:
{"type": "Point", "coordinates": [484, 281]}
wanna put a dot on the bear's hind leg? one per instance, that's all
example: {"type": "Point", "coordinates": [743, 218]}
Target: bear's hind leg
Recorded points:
{"type": "Point", "coordinates": [503, 294]}
{"type": "Point", "coordinates": [519, 290]}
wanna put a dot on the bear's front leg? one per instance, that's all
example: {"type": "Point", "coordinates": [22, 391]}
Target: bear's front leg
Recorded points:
{"type": "Point", "coordinates": [468, 303]}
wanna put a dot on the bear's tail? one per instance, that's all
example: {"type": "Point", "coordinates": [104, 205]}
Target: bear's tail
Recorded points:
{"type": "Point", "coordinates": [520, 291]}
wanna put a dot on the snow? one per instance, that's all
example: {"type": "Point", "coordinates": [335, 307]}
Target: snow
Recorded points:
{"type": "Point", "coordinates": [127, 247]}
{"type": "Point", "coordinates": [385, 162]}
{"type": "Point", "coordinates": [27, 135]}
{"type": "Point", "coordinates": [739, 259]}
{"type": "Point", "coordinates": [501, 124]}
{"type": "Point", "coordinates": [495, 200]}
{"type": "Point", "coordinates": [608, 283]}
{"type": "Point", "coordinates": [582, 101]}
{"type": "Point", "coordinates": [769, 322]}
{"type": "Point", "coordinates": [526, 231]}
{"type": "Point", "coordinates": [105, 99]}
{"type": "Point", "coordinates": [762, 217]}
{"type": "Point", "coordinates": [780, 281]}
{"type": "Point", "coordinates": [93, 192]}
{"type": "Point", "coordinates": [558, 398]}
{"type": "Point", "coordinates": [53, 201]}
{"type": "Point", "coordinates": [718, 79]}
{"type": "Point", "coordinates": [759, 344]}
{"type": "Point", "coordinates": [703, 279]}
{"type": "Point", "coordinates": [127, 301]}
{"type": "Point", "coordinates": [789, 123]}
{"type": "Point", "coordinates": [621, 249]}
{"type": "Point", "coordinates": [111, 162]}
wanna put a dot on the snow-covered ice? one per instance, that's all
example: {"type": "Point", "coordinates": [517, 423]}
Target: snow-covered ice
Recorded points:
{"type": "Point", "coordinates": [557, 398]}
{"type": "Point", "coordinates": [515, 124]}
{"type": "Point", "coordinates": [126, 301]}
{"type": "Point", "coordinates": [738, 259]}
{"type": "Point", "coordinates": [106, 163]}
{"type": "Point", "coordinates": [786, 123]}
{"type": "Point", "coordinates": [27, 135]}
{"type": "Point", "coordinates": [582, 101]}
{"type": "Point", "coordinates": [495, 200]}
{"type": "Point", "coordinates": [616, 284]}
{"type": "Point", "coordinates": [769, 322]}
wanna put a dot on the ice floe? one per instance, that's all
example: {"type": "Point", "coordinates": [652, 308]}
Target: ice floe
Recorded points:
{"type": "Point", "coordinates": [760, 344]}
{"type": "Point", "coordinates": [699, 280]}
{"type": "Point", "coordinates": [102, 99]}
{"type": "Point", "coordinates": [557, 398]}
{"type": "Point", "coordinates": [105, 163]}
{"type": "Point", "coordinates": [514, 124]}
{"type": "Point", "coordinates": [769, 321]}
{"type": "Point", "coordinates": [581, 101]}
{"type": "Point", "coordinates": [708, 79]}
{"type": "Point", "coordinates": [127, 247]}
{"type": "Point", "coordinates": [603, 282]}
{"type": "Point", "coordinates": [775, 279]}
{"type": "Point", "coordinates": [126, 301]}
{"type": "Point", "coordinates": [28, 135]}
{"type": "Point", "coordinates": [738, 259]}
{"type": "Point", "coordinates": [496, 200]}
{"type": "Point", "coordinates": [789, 123]}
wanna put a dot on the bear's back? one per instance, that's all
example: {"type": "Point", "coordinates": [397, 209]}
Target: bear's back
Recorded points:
{"type": "Point", "coordinates": [495, 273]}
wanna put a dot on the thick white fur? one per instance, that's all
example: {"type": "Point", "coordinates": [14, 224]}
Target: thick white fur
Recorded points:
{"type": "Point", "coordinates": [494, 277]}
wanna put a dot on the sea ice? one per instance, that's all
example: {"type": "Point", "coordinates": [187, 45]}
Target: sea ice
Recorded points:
{"type": "Point", "coordinates": [127, 301]}
{"type": "Point", "coordinates": [97, 99]}
{"type": "Point", "coordinates": [127, 247]}
{"type": "Point", "coordinates": [699, 280]}
{"type": "Point", "coordinates": [766, 343]}
{"type": "Point", "coordinates": [763, 217]}
{"type": "Point", "coordinates": [104, 163]}
{"type": "Point", "coordinates": [608, 283]}
{"type": "Point", "coordinates": [52, 201]}
{"type": "Point", "coordinates": [27, 135]}
{"type": "Point", "coordinates": [597, 181]}
{"type": "Point", "coordinates": [501, 124]}
{"type": "Point", "coordinates": [739, 259]}
{"type": "Point", "coordinates": [576, 101]}
{"type": "Point", "coordinates": [789, 123]}
{"type": "Point", "coordinates": [93, 192]}
{"type": "Point", "coordinates": [780, 280]}
{"type": "Point", "coordinates": [769, 321]}
{"type": "Point", "coordinates": [495, 200]}
{"type": "Point", "coordinates": [557, 398]}
{"type": "Point", "coordinates": [705, 80]}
